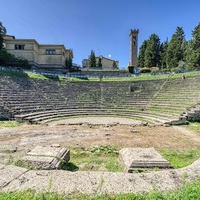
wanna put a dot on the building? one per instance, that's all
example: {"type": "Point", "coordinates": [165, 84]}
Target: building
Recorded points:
{"type": "Point", "coordinates": [41, 56]}
{"type": "Point", "coordinates": [85, 63]}
{"type": "Point", "coordinates": [133, 47]}
{"type": "Point", "coordinates": [107, 63]}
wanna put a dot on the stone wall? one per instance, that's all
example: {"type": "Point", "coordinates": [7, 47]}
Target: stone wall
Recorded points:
{"type": "Point", "coordinates": [102, 73]}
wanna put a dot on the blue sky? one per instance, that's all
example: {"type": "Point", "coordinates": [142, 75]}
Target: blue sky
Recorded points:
{"type": "Point", "coordinates": [99, 25]}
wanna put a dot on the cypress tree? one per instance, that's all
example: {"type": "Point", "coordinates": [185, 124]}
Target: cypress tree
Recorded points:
{"type": "Point", "coordinates": [99, 64]}
{"type": "Point", "coordinates": [176, 48]}
{"type": "Point", "coordinates": [92, 60]}
{"type": "Point", "coordinates": [152, 54]}
{"type": "Point", "coordinates": [141, 57]}
{"type": "Point", "coordinates": [163, 54]}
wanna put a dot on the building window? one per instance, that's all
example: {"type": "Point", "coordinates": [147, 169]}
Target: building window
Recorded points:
{"type": "Point", "coordinates": [19, 46]}
{"type": "Point", "coordinates": [50, 51]}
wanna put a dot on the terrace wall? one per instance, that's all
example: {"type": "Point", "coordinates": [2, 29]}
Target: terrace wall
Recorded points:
{"type": "Point", "coordinates": [103, 73]}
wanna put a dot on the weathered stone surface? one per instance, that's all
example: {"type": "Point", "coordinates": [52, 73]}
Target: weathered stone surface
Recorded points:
{"type": "Point", "coordinates": [93, 183]}
{"type": "Point", "coordinates": [142, 159]}
{"type": "Point", "coordinates": [47, 157]}
{"type": "Point", "coordinates": [8, 149]}
{"type": "Point", "coordinates": [9, 173]}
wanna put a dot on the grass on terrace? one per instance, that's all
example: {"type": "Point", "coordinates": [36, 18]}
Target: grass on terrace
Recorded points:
{"type": "Point", "coordinates": [133, 78]}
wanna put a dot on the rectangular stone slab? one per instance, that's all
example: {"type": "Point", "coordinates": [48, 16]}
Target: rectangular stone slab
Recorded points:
{"type": "Point", "coordinates": [142, 159]}
{"type": "Point", "coordinates": [46, 157]}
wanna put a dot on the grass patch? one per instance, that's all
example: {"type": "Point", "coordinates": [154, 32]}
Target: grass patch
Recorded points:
{"type": "Point", "coordinates": [105, 158]}
{"type": "Point", "coordinates": [141, 77]}
{"type": "Point", "coordinates": [9, 124]}
{"type": "Point", "coordinates": [97, 158]}
{"type": "Point", "coordinates": [190, 191]}
{"type": "Point", "coordinates": [12, 73]}
{"type": "Point", "coordinates": [180, 158]}
{"type": "Point", "coordinates": [194, 126]}
{"type": "Point", "coordinates": [37, 76]}
{"type": "Point", "coordinates": [16, 161]}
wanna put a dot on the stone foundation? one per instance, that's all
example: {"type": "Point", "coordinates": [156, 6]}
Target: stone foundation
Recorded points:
{"type": "Point", "coordinates": [140, 159]}
{"type": "Point", "coordinates": [46, 157]}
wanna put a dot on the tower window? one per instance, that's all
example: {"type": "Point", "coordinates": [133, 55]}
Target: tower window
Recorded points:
{"type": "Point", "coordinates": [19, 46]}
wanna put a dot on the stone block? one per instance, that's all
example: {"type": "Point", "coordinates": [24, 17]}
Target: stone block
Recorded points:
{"type": "Point", "coordinates": [46, 157]}
{"type": "Point", "coordinates": [133, 159]}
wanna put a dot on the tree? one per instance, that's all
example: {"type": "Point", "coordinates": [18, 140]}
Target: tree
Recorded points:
{"type": "Point", "coordinates": [7, 59]}
{"type": "Point", "coordinates": [92, 60]}
{"type": "Point", "coordinates": [114, 65]}
{"type": "Point", "coordinates": [2, 29]}
{"type": "Point", "coordinates": [176, 48]}
{"type": "Point", "coordinates": [152, 54]}
{"type": "Point", "coordinates": [68, 63]}
{"type": "Point", "coordinates": [163, 54]}
{"type": "Point", "coordinates": [2, 32]}
{"type": "Point", "coordinates": [99, 64]}
{"type": "Point", "coordinates": [141, 57]}
{"type": "Point", "coordinates": [131, 69]}
{"type": "Point", "coordinates": [193, 49]}
{"type": "Point", "coordinates": [1, 42]}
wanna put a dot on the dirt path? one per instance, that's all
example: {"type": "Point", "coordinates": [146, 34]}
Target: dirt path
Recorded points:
{"type": "Point", "coordinates": [92, 132]}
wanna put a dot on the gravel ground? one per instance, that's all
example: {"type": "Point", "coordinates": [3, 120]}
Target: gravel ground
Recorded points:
{"type": "Point", "coordinates": [98, 121]}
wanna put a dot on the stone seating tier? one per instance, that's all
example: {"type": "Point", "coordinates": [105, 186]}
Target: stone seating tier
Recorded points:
{"type": "Point", "coordinates": [156, 100]}
{"type": "Point", "coordinates": [49, 115]}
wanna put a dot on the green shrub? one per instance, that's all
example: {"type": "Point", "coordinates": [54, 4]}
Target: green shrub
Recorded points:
{"type": "Point", "coordinates": [131, 69]}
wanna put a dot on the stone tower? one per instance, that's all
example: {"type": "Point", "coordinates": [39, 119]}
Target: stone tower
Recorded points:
{"type": "Point", "coordinates": [133, 46]}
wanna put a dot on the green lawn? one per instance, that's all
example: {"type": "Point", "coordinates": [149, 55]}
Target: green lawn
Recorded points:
{"type": "Point", "coordinates": [9, 123]}
{"type": "Point", "coordinates": [132, 78]}
{"type": "Point", "coordinates": [95, 158]}
{"type": "Point", "coordinates": [180, 158]}
{"type": "Point", "coordinates": [195, 126]}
